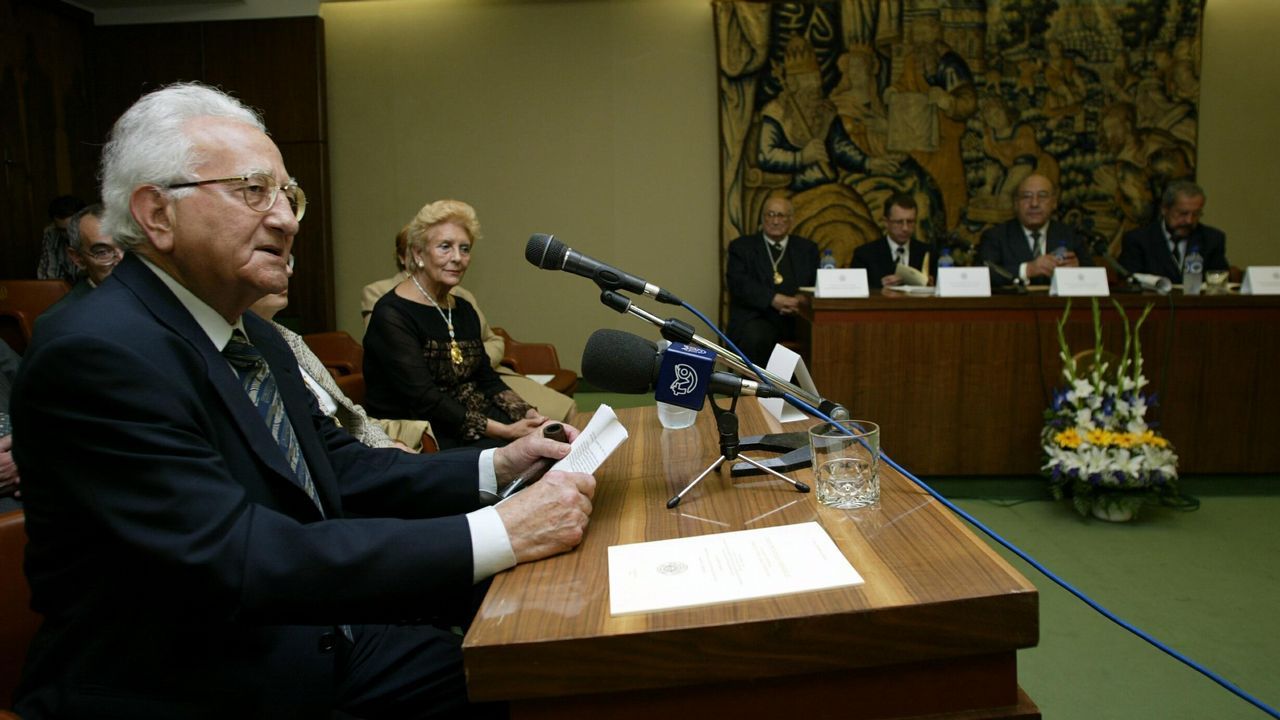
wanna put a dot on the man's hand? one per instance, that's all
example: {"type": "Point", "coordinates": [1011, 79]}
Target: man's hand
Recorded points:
{"type": "Point", "coordinates": [786, 304]}
{"type": "Point", "coordinates": [890, 281]}
{"type": "Point", "coordinates": [1042, 266]}
{"type": "Point", "coordinates": [8, 470]}
{"type": "Point", "coordinates": [513, 459]}
{"type": "Point", "coordinates": [550, 516]}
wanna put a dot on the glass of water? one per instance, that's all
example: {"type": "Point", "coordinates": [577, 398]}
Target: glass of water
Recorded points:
{"type": "Point", "coordinates": [846, 463]}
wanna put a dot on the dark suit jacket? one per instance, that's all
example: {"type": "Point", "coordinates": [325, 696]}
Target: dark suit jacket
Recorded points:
{"type": "Point", "coordinates": [1145, 250]}
{"type": "Point", "coordinates": [876, 258]}
{"type": "Point", "coordinates": [179, 569]}
{"type": "Point", "coordinates": [1006, 245]}
{"type": "Point", "coordinates": [749, 278]}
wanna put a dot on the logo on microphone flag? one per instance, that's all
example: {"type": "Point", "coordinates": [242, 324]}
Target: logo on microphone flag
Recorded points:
{"type": "Point", "coordinates": [684, 375]}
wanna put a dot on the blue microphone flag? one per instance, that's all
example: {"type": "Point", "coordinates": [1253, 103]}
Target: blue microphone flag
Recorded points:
{"type": "Point", "coordinates": [684, 375]}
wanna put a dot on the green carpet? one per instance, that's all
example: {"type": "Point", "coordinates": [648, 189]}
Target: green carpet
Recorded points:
{"type": "Point", "coordinates": [1206, 583]}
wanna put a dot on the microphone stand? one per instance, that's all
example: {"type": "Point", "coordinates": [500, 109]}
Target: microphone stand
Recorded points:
{"type": "Point", "coordinates": [1015, 287]}
{"type": "Point", "coordinates": [727, 425]}
{"type": "Point", "coordinates": [678, 331]}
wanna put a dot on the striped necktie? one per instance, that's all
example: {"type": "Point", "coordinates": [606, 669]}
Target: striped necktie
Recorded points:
{"type": "Point", "coordinates": [260, 384]}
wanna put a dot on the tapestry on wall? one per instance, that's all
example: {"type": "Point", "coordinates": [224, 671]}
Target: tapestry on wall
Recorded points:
{"type": "Point", "coordinates": [838, 105]}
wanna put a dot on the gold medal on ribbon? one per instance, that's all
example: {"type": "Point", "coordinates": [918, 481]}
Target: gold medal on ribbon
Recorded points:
{"type": "Point", "coordinates": [777, 278]}
{"type": "Point", "coordinates": [455, 352]}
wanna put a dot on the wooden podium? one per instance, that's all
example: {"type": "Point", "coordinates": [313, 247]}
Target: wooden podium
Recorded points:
{"type": "Point", "coordinates": [933, 631]}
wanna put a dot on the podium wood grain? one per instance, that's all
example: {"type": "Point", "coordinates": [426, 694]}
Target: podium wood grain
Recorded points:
{"type": "Point", "coordinates": [933, 630]}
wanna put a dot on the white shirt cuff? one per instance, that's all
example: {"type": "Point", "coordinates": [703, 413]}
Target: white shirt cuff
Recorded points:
{"type": "Point", "coordinates": [491, 551]}
{"type": "Point", "coordinates": [1022, 272]}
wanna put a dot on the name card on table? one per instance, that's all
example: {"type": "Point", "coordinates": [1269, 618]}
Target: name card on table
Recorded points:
{"type": "Point", "coordinates": [842, 283]}
{"type": "Point", "coordinates": [964, 282]}
{"type": "Point", "coordinates": [1079, 282]}
{"type": "Point", "coordinates": [1261, 280]}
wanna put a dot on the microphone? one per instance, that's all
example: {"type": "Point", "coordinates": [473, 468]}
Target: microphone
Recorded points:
{"type": "Point", "coordinates": [548, 253]}
{"type": "Point", "coordinates": [1155, 283]}
{"type": "Point", "coordinates": [620, 362]}
{"type": "Point", "coordinates": [1015, 285]}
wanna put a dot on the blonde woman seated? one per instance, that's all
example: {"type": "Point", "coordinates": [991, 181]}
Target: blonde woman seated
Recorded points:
{"type": "Point", "coordinates": [347, 414]}
{"type": "Point", "coordinates": [554, 405]}
{"type": "Point", "coordinates": [424, 357]}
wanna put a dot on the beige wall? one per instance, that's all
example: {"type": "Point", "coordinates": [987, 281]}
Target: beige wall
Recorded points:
{"type": "Point", "coordinates": [596, 120]}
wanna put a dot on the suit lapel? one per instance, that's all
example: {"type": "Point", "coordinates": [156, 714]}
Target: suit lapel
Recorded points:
{"type": "Point", "coordinates": [166, 308]}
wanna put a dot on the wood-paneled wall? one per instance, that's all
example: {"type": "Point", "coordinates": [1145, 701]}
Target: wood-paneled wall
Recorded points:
{"type": "Point", "coordinates": [64, 82]}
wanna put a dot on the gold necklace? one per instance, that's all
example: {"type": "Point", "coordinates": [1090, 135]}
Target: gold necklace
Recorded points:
{"type": "Point", "coordinates": [455, 352]}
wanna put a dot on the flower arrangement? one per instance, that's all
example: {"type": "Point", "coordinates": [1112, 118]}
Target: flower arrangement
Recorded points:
{"type": "Point", "coordinates": [1098, 448]}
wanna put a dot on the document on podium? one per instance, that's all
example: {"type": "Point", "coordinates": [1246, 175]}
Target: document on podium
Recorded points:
{"type": "Point", "coordinates": [725, 567]}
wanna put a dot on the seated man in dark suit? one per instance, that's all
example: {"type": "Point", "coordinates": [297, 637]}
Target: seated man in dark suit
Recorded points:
{"type": "Point", "coordinates": [763, 275]}
{"type": "Point", "coordinates": [1030, 247]}
{"type": "Point", "coordinates": [881, 258]}
{"type": "Point", "coordinates": [93, 252]}
{"type": "Point", "coordinates": [204, 542]}
{"type": "Point", "coordinates": [1161, 247]}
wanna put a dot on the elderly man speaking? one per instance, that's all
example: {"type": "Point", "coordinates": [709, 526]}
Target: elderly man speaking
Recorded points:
{"type": "Point", "coordinates": [203, 541]}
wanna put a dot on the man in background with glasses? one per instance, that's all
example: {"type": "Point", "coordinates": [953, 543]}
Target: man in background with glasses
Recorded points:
{"type": "Point", "coordinates": [204, 542]}
{"type": "Point", "coordinates": [93, 252]}
{"type": "Point", "coordinates": [1161, 248]}
{"type": "Point", "coordinates": [1031, 245]}
{"type": "Point", "coordinates": [764, 274]}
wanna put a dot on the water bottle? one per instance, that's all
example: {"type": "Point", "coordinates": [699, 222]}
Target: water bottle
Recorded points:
{"type": "Point", "coordinates": [1192, 271]}
{"type": "Point", "coordinates": [945, 260]}
{"type": "Point", "coordinates": [828, 260]}
{"type": "Point", "coordinates": [1060, 253]}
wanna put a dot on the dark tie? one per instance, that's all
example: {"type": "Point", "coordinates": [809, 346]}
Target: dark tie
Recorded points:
{"type": "Point", "coordinates": [260, 384]}
{"type": "Point", "coordinates": [775, 248]}
{"type": "Point", "coordinates": [1177, 255]}
{"type": "Point", "coordinates": [897, 256]}
{"type": "Point", "coordinates": [1036, 248]}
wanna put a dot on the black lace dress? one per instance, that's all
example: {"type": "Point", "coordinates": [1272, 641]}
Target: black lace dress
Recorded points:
{"type": "Point", "coordinates": [408, 372]}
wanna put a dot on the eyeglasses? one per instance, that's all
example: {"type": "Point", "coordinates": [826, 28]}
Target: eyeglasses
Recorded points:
{"type": "Point", "coordinates": [1042, 196]}
{"type": "Point", "coordinates": [774, 215]}
{"type": "Point", "coordinates": [260, 191]}
{"type": "Point", "coordinates": [103, 253]}
{"type": "Point", "coordinates": [902, 222]}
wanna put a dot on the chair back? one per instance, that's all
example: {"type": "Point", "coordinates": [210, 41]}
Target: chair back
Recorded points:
{"type": "Point", "coordinates": [538, 359]}
{"type": "Point", "coordinates": [338, 351]}
{"type": "Point", "coordinates": [18, 623]}
{"type": "Point", "coordinates": [352, 386]}
{"type": "Point", "coordinates": [21, 301]}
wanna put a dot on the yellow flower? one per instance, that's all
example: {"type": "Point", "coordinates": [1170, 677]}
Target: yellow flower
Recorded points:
{"type": "Point", "coordinates": [1125, 440]}
{"type": "Point", "coordinates": [1150, 438]}
{"type": "Point", "coordinates": [1068, 438]}
{"type": "Point", "coordinates": [1098, 437]}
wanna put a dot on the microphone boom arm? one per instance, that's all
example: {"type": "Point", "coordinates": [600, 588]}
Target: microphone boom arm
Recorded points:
{"type": "Point", "coordinates": [621, 304]}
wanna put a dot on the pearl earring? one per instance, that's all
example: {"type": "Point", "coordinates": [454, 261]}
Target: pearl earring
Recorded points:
{"type": "Point", "coordinates": [421, 264]}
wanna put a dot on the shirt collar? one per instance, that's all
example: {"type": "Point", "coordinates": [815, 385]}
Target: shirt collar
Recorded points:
{"type": "Point", "coordinates": [770, 241]}
{"type": "Point", "coordinates": [1044, 231]}
{"type": "Point", "coordinates": [213, 324]}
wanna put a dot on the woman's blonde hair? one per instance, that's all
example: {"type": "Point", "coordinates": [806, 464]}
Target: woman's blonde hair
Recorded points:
{"type": "Point", "coordinates": [442, 211]}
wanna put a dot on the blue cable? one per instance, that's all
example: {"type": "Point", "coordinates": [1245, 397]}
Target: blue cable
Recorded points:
{"type": "Point", "coordinates": [801, 405]}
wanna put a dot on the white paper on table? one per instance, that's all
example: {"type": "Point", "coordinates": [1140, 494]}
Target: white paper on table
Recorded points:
{"type": "Point", "coordinates": [964, 282]}
{"type": "Point", "coordinates": [842, 283]}
{"type": "Point", "coordinates": [725, 567]}
{"type": "Point", "coordinates": [785, 363]}
{"type": "Point", "coordinates": [1261, 280]}
{"type": "Point", "coordinates": [597, 441]}
{"type": "Point", "coordinates": [540, 379]}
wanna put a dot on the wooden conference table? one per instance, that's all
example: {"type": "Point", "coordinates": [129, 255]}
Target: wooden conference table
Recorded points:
{"type": "Point", "coordinates": [960, 385]}
{"type": "Point", "coordinates": [933, 631]}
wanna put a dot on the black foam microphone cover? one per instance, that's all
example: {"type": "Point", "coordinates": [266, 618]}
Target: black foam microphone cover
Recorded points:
{"type": "Point", "coordinates": [620, 362]}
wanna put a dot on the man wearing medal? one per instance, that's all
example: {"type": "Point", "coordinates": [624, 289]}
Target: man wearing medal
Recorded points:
{"type": "Point", "coordinates": [763, 275]}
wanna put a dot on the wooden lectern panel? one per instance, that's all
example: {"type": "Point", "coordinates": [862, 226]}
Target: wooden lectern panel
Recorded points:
{"type": "Point", "coordinates": [938, 609]}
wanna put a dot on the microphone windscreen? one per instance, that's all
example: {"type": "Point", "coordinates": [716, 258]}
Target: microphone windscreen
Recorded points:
{"type": "Point", "coordinates": [545, 251]}
{"type": "Point", "coordinates": [620, 362]}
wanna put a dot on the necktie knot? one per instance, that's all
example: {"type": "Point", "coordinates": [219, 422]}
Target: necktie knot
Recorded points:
{"type": "Point", "coordinates": [241, 353]}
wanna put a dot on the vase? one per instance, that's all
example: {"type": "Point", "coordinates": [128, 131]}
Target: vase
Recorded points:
{"type": "Point", "coordinates": [1115, 510]}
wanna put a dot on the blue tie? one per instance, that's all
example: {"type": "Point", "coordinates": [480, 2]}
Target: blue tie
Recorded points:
{"type": "Point", "coordinates": [260, 384]}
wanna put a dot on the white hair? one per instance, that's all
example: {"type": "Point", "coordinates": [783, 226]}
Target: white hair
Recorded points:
{"type": "Point", "coordinates": [149, 145]}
